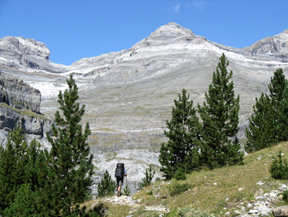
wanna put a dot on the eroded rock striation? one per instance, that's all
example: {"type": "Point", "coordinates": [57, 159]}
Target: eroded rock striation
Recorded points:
{"type": "Point", "coordinates": [21, 103]}
{"type": "Point", "coordinates": [272, 46]}
{"type": "Point", "coordinates": [17, 94]}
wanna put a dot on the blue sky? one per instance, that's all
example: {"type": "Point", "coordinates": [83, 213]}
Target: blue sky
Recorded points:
{"type": "Point", "coordinates": [74, 29]}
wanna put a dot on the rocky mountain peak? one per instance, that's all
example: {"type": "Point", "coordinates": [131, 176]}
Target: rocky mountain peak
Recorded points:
{"type": "Point", "coordinates": [173, 29]}
{"type": "Point", "coordinates": [273, 46]}
{"type": "Point", "coordinates": [23, 46]}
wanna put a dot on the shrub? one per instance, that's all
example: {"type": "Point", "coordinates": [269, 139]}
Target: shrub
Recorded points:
{"type": "Point", "coordinates": [285, 196]}
{"type": "Point", "coordinates": [149, 174]}
{"type": "Point", "coordinates": [106, 186]}
{"type": "Point", "coordinates": [126, 190]}
{"type": "Point", "coordinates": [180, 174]}
{"type": "Point", "coordinates": [279, 168]}
{"type": "Point", "coordinates": [176, 188]}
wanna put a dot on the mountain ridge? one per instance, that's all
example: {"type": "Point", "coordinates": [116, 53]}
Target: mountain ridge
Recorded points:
{"type": "Point", "coordinates": [128, 94]}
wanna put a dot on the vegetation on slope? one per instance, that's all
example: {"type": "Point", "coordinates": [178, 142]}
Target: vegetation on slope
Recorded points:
{"type": "Point", "coordinates": [215, 191]}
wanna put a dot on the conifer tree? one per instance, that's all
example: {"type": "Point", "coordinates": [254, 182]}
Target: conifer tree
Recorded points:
{"type": "Point", "coordinates": [268, 124]}
{"type": "Point", "coordinates": [106, 186]}
{"type": "Point", "coordinates": [261, 132]}
{"type": "Point", "coordinates": [67, 178]}
{"type": "Point", "coordinates": [181, 150]}
{"type": "Point", "coordinates": [13, 161]}
{"type": "Point", "coordinates": [219, 115]}
{"type": "Point", "coordinates": [278, 88]}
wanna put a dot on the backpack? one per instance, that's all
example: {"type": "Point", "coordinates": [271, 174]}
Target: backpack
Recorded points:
{"type": "Point", "coordinates": [119, 171]}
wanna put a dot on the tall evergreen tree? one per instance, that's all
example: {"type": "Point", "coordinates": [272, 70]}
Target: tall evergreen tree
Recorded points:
{"type": "Point", "coordinates": [278, 88]}
{"type": "Point", "coordinates": [67, 178]}
{"type": "Point", "coordinates": [181, 150]}
{"type": "Point", "coordinates": [13, 161]}
{"type": "Point", "coordinates": [219, 115]}
{"type": "Point", "coordinates": [268, 124]}
{"type": "Point", "coordinates": [261, 132]}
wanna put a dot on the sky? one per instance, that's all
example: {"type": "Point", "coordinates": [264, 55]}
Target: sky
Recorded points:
{"type": "Point", "coordinates": [76, 29]}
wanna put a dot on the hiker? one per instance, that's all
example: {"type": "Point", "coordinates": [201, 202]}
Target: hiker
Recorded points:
{"type": "Point", "coordinates": [120, 172]}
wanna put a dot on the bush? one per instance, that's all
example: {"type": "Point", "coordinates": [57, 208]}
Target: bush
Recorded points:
{"type": "Point", "coordinates": [279, 168]}
{"type": "Point", "coordinates": [180, 174]}
{"type": "Point", "coordinates": [176, 188]}
{"type": "Point", "coordinates": [106, 186]}
{"type": "Point", "coordinates": [285, 196]}
{"type": "Point", "coordinates": [126, 190]}
{"type": "Point", "coordinates": [149, 174]}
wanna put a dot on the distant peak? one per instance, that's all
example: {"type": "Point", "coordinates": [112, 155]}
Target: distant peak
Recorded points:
{"type": "Point", "coordinates": [286, 31]}
{"type": "Point", "coordinates": [173, 29]}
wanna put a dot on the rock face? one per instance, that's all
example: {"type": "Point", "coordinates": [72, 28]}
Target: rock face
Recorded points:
{"type": "Point", "coordinates": [25, 53]}
{"type": "Point", "coordinates": [18, 99]}
{"type": "Point", "coordinates": [17, 94]}
{"type": "Point", "coordinates": [128, 94]}
{"type": "Point", "coordinates": [272, 46]}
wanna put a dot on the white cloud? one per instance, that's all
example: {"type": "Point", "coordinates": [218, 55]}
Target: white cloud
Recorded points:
{"type": "Point", "coordinates": [199, 4]}
{"type": "Point", "coordinates": [176, 8]}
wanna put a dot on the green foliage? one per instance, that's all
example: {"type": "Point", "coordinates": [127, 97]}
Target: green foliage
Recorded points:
{"type": "Point", "coordinates": [150, 192]}
{"type": "Point", "coordinates": [175, 188]}
{"type": "Point", "coordinates": [67, 176]}
{"type": "Point", "coordinates": [126, 190]}
{"type": "Point", "coordinates": [180, 174]}
{"type": "Point", "coordinates": [183, 137]}
{"type": "Point", "coordinates": [279, 168]}
{"type": "Point", "coordinates": [106, 186]}
{"type": "Point", "coordinates": [13, 165]}
{"type": "Point", "coordinates": [268, 125]}
{"type": "Point", "coordinates": [37, 182]}
{"type": "Point", "coordinates": [149, 174]}
{"type": "Point", "coordinates": [285, 196]}
{"type": "Point", "coordinates": [261, 132]}
{"type": "Point", "coordinates": [219, 115]}
{"type": "Point", "coordinates": [192, 212]}
{"type": "Point", "coordinates": [25, 203]}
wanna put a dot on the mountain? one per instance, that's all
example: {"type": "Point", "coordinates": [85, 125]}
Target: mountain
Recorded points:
{"type": "Point", "coordinates": [129, 94]}
{"type": "Point", "coordinates": [272, 46]}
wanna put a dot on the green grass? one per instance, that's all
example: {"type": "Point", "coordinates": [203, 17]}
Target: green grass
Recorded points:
{"type": "Point", "coordinates": [23, 112]}
{"type": "Point", "coordinates": [209, 197]}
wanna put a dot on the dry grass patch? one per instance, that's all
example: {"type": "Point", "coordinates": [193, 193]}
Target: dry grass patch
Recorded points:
{"type": "Point", "coordinates": [212, 191]}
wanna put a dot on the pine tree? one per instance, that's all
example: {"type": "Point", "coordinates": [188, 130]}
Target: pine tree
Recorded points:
{"type": "Point", "coordinates": [106, 186]}
{"type": "Point", "coordinates": [278, 88]}
{"type": "Point", "coordinates": [149, 175]}
{"type": "Point", "coordinates": [261, 132]}
{"type": "Point", "coordinates": [24, 204]}
{"type": "Point", "coordinates": [283, 118]}
{"type": "Point", "coordinates": [13, 162]}
{"type": "Point", "coordinates": [67, 177]}
{"type": "Point", "coordinates": [181, 150]}
{"type": "Point", "coordinates": [220, 120]}
{"type": "Point", "coordinates": [268, 124]}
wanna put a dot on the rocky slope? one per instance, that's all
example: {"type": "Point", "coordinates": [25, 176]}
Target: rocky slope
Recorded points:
{"type": "Point", "coordinates": [20, 102]}
{"type": "Point", "coordinates": [129, 94]}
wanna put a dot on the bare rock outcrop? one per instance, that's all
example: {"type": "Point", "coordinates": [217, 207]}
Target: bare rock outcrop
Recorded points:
{"type": "Point", "coordinates": [17, 94]}
{"type": "Point", "coordinates": [272, 46]}
{"type": "Point", "coordinates": [280, 211]}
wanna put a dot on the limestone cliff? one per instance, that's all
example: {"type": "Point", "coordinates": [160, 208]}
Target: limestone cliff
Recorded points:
{"type": "Point", "coordinates": [17, 94]}
{"type": "Point", "coordinates": [20, 102]}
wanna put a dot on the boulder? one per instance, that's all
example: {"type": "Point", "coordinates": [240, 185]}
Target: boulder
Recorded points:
{"type": "Point", "coordinates": [280, 211]}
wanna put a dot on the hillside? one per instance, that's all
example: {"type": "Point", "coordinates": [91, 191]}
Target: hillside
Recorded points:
{"type": "Point", "coordinates": [246, 190]}
{"type": "Point", "coordinates": [128, 94]}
